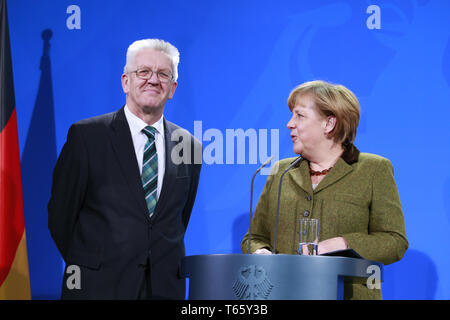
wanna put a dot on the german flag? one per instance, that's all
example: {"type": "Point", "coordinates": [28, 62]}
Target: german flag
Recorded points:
{"type": "Point", "coordinates": [14, 275]}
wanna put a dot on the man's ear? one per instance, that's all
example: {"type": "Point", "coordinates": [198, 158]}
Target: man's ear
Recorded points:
{"type": "Point", "coordinates": [172, 90]}
{"type": "Point", "coordinates": [125, 83]}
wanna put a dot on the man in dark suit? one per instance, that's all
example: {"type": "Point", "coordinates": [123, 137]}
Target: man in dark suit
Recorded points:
{"type": "Point", "coordinates": [123, 190]}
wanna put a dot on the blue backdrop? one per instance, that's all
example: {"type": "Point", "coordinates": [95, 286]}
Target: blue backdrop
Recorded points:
{"type": "Point", "coordinates": [239, 61]}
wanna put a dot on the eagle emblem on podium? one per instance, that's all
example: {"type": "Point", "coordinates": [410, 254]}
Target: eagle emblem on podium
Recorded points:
{"type": "Point", "coordinates": [252, 283]}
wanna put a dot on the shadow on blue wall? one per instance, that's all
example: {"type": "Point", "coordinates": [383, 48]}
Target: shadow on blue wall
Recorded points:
{"type": "Point", "coordinates": [414, 277]}
{"type": "Point", "coordinates": [38, 160]}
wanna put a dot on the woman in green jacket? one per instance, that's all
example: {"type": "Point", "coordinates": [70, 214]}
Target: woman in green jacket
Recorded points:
{"type": "Point", "coordinates": [353, 194]}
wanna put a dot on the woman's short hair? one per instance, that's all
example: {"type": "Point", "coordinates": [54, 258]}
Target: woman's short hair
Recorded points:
{"type": "Point", "coordinates": [332, 100]}
{"type": "Point", "coordinates": [155, 44]}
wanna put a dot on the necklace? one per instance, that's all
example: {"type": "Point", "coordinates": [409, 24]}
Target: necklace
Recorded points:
{"type": "Point", "coordinates": [319, 173]}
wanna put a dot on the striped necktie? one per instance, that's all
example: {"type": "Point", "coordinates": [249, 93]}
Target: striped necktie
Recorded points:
{"type": "Point", "coordinates": [150, 169]}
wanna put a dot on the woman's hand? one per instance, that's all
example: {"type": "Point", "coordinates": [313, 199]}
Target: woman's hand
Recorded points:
{"type": "Point", "coordinates": [332, 244]}
{"type": "Point", "coordinates": [262, 251]}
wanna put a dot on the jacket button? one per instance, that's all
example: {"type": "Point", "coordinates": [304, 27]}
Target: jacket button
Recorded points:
{"type": "Point", "coordinates": [306, 213]}
{"type": "Point", "coordinates": [309, 198]}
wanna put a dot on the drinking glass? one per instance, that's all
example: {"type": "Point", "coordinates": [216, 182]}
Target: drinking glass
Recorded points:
{"type": "Point", "coordinates": [308, 236]}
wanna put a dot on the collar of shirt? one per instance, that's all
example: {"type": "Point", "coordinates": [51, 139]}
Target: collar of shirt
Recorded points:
{"type": "Point", "coordinates": [137, 124]}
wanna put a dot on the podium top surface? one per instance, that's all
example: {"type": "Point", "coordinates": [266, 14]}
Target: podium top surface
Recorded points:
{"type": "Point", "coordinates": [340, 266]}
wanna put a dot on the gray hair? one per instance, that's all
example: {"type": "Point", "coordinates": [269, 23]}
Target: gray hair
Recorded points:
{"type": "Point", "coordinates": [155, 44]}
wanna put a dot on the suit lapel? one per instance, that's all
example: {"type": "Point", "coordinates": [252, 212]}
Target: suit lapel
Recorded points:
{"type": "Point", "coordinates": [124, 149]}
{"type": "Point", "coordinates": [340, 169]}
{"type": "Point", "coordinates": [170, 169]}
{"type": "Point", "coordinates": [300, 176]}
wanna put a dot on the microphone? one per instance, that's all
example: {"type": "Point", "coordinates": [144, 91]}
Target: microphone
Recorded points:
{"type": "Point", "coordinates": [251, 202]}
{"type": "Point", "coordinates": [294, 163]}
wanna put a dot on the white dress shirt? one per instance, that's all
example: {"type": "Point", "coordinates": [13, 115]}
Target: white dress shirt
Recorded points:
{"type": "Point", "coordinates": [140, 139]}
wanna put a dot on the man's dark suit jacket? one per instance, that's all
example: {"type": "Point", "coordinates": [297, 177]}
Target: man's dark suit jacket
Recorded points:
{"type": "Point", "coordinates": [99, 219]}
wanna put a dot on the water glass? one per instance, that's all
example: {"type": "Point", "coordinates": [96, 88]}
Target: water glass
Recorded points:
{"type": "Point", "coordinates": [308, 236]}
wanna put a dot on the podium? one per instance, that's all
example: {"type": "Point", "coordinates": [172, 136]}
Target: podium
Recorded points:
{"type": "Point", "coordinates": [274, 277]}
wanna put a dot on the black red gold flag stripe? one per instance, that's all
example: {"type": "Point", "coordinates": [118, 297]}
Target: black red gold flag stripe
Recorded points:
{"type": "Point", "coordinates": [14, 273]}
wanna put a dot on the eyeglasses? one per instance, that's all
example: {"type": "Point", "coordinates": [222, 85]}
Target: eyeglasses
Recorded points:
{"type": "Point", "coordinates": [147, 73]}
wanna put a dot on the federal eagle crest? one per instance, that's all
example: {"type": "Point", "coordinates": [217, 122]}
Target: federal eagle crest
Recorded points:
{"type": "Point", "coordinates": [252, 283]}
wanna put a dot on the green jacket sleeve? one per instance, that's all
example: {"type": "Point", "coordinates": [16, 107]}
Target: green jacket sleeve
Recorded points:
{"type": "Point", "coordinates": [385, 240]}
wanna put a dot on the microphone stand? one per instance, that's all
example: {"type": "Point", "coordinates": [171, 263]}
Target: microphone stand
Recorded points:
{"type": "Point", "coordinates": [295, 162]}
{"type": "Point", "coordinates": [251, 202]}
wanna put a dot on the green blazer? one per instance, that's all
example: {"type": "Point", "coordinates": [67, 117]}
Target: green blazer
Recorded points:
{"type": "Point", "coordinates": [357, 200]}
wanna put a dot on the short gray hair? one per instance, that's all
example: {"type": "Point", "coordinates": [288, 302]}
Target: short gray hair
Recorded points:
{"type": "Point", "coordinates": [155, 44]}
